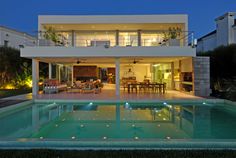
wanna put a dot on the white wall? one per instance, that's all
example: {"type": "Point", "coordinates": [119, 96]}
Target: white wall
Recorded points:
{"type": "Point", "coordinates": [224, 29]}
{"type": "Point", "coordinates": [112, 19]}
{"type": "Point", "coordinates": [15, 38]}
{"type": "Point", "coordinates": [207, 44]}
{"type": "Point", "coordinates": [171, 51]}
{"type": "Point", "coordinates": [186, 65]}
{"type": "Point", "coordinates": [140, 70]}
{"type": "Point", "coordinates": [222, 32]}
{"type": "Point", "coordinates": [176, 64]}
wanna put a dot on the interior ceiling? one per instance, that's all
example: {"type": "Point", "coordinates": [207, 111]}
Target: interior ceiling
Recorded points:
{"type": "Point", "coordinates": [107, 27]}
{"type": "Point", "coordinates": [138, 60]}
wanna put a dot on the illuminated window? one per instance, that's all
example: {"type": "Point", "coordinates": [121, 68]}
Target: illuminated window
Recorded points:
{"type": "Point", "coordinates": [128, 39]}
{"type": "Point", "coordinates": [151, 39]}
{"type": "Point", "coordinates": [87, 39]}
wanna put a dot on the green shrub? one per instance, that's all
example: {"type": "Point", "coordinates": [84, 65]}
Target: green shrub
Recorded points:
{"type": "Point", "coordinates": [223, 71]}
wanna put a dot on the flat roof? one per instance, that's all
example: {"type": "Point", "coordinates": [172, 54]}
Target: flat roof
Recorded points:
{"type": "Point", "coordinates": [112, 19]}
{"type": "Point", "coordinates": [16, 32]}
{"type": "Point", "coordinates": [226, 14]}
{"type": "Point", "coordinates": [209, 34]}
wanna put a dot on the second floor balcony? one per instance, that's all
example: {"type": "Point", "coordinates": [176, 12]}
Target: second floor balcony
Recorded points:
{"type": "Point", "coordinates": [144, 38]}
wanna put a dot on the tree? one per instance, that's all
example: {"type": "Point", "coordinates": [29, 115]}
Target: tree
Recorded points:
{"type": "Point", "coordinates": [223, 70]}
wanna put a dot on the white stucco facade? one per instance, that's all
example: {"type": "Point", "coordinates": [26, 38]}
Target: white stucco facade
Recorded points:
{"type": "Point", "coordinates": [223, 35]}
{"type": "Point", "coordinates": [15, 39]}
{"type": "Point", "coordinates": [112, 19]}
{"type": "Point", "coordinates": [141, 29]}
{"type": "Point", "coordinates": [174, 51]}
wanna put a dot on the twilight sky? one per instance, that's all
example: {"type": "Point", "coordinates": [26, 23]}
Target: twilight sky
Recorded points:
{"type": "Point", "coordinates": [22, 14]}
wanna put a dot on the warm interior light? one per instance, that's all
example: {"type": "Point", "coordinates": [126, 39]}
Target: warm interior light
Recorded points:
{"type": "Point", "coordinates": [156, 65]}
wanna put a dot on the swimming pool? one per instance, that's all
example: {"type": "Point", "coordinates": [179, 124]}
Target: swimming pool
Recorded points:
{"type": "Point", "coordinates": [119, 124]}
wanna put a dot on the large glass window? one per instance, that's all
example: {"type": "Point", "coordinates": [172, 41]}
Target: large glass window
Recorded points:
{"type": "Point", "coordinates": [87, 39]}
{"type": "Point", "coordinates": [151, 38]}
{"type": "Point", "coordinates": [162, 74]}
{"type": "Point", "coordinates": [63, 73]}
{"type": "Point", "coordinates": [128, 39]}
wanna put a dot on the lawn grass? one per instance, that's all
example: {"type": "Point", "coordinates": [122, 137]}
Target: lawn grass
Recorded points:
{"type": "Point", "coordinates": [117, 153]}
{"type": "Point", "coordinates": [12, 92]}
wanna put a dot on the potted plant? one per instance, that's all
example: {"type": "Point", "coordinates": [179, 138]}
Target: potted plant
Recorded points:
{"type": "Point", "coordinates": [173, 36]}
{"type": "Point", "coordinates": [51, 35]}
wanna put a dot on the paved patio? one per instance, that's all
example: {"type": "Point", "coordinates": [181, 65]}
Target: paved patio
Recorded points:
{"type": "Point", "coordinates": [108, 93]}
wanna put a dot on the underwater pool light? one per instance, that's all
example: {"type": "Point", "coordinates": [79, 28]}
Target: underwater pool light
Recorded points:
{"type": "Point", "coordinates": [136, 138]}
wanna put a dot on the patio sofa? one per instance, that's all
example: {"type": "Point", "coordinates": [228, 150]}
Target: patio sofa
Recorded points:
{"type": "Point", "coordinates": [53, 86]}
{"type": "Point", "coordinates": [89, 86]}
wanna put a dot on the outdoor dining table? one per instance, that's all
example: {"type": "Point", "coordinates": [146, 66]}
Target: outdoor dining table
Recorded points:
{"type": "Point", "coordinates": [160, 86]}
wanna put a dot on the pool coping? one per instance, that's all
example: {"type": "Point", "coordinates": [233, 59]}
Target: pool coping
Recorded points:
{"type": "Point", "coordinates": [18, 105]}
{"type": "Point", "coordinates": [121, 144]}
{"type": "Point", "coordinates": [203, 101]}
{"type": "Point", "coordinates": [136, 101]}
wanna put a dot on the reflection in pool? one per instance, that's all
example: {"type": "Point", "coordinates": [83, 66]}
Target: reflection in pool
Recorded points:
{"type": "Point", "coordinates": [119, 121]}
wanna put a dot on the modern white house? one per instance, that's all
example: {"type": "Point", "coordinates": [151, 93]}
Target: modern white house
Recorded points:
{"type": "Point", "coordinates": [224, 35]}
{"type": "Point", "coordinates": [135, 53]}
{"type": "Point", "coordinates": [15, 39]}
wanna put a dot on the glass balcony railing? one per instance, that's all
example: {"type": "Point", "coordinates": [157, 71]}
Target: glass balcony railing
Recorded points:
{"type": "Point", "coordinates": [114, 39]}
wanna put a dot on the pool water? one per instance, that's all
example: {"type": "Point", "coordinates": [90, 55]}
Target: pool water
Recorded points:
{"type": "Point", "coordinates": [119, 121]}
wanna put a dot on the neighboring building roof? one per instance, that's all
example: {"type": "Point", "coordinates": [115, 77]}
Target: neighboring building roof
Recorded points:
{"type": "Point", "coordinates": [209, 34]}
{"type": "Point", "coordinates": [18, 32]}
{"type": "Point", "coordinates": [226, 14]}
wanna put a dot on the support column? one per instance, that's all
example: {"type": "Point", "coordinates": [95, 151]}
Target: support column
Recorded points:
{"type": "Point", "coordinates": [72, 75]}
{"type": "Point", "coordinates": [59, 73]}
{"type": "Point", "coordinates": [139, 37]}
{"type": "Point", "coordinates": [35, 77]}
{"type": "Point", "coordinates": [117, 60]}
{"type": "Point", "coordinates": [172, 76]}
{"type": "Point", "coordinates": [73, 42]}
{"type": "Point", "coordinates": [50, 70]}
{"type": "Point", "coordinates": [117, 38]}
